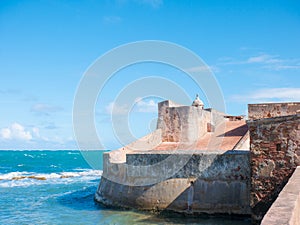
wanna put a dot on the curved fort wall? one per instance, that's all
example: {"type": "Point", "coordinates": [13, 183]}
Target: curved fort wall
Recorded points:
{"type": "Point", "coordinates": [214, 179]}
{"type": "Point", "coordinates": [209, 182]}
{"type": "Point", "coordinates": [183, 179]}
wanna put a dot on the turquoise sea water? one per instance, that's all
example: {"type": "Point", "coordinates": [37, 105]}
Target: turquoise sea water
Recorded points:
{"type": "Point", "coordinates": [58, 187]}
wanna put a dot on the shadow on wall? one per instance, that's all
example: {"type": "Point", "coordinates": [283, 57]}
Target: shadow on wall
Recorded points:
{"type": "Point", "coordinates": [188, 219]}
{"type": "Point", "coordinates": [239, 131]}
{"type": "Point", "coordinates": [221, 186]}
{"type": "Point", "coordinates": [210, 183]}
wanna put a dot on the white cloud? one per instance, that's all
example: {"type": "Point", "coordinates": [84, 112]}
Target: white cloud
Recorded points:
{"type": "Point", "coordinates": [149, 106]}
{"type": "Point", "coordinates": [283, 66]}
{"type": "Point", "coordinates": [15, 132]}
{"type": "Point", "coordinates": [36, 132]}
{"type": "Point", "coordinates": [259, 58]}
{"type": "Point", "coordinates": [141, 105]}
{"type": "Point", "coordinates": [263, 58]}
{"type": "Point", "coordinates": [5, 133]}
{"type": "Point", "coordinates": [266, 61]}
{"type": "Point", "coordinates": [270, 95]}
{"type": "Point", "coordinates": [17, 136]}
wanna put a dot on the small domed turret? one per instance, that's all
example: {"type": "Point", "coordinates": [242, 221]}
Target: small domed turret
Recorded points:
{"type": "Point", "coordinates": [197, 102]}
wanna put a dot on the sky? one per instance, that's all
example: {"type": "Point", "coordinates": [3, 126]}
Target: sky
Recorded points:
{"type": "Point", "coordinates": [46, 46]}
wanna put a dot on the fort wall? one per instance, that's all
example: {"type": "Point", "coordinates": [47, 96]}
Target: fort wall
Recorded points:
{"type": "Point", "coordinates": [268, 110]}
{"type": "Point", "coordinates": [274, 155]}
{"type": "Point", "coordinates": [205, 182]}
{"type": "Point", "coordinates": [183, 179]}
{"type": "Point", "coordinates": [286, 208]}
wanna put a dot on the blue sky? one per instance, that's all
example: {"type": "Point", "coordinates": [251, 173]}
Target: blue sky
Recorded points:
{"type": "Point", "coordinates": [46, 46]}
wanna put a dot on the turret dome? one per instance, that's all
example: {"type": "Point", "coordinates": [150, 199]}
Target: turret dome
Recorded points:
{"type": "Point", "coordinates": [197, 102]}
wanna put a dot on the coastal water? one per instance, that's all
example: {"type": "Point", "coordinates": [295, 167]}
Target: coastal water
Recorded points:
{"type": "Point", "coordinates": [58, 187]}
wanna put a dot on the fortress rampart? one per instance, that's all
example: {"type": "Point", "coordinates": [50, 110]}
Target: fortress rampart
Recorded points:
{"type": "Point", "coordinates": [209, 182]}
{"type": "Point", "coordinates": [198, 161]}
{"type": "Point", "coordinates": [286, 208]}
{"type": "Point", "coordinates": [268, 110]}
{"type": "Point", "coordinates": [181, 167]}
{"type": "Point", "coordinates": [274, 152]}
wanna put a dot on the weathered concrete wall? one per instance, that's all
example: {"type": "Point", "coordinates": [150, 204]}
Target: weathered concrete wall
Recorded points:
{"type": "Point", "coordinates": [186, 123]}
{"type": "Point", "coordinates": [181, 123]}
{"type": "Point", "coordinates": [205, 182]}
{"type": "Point", "coordinates": [286, 208]}
{"type": "Point", "coordinates": [169, 122]}
{"type": "Point", "coordinates": [268, 110]}
{"type": "Point", "coordinates": [274, 154]}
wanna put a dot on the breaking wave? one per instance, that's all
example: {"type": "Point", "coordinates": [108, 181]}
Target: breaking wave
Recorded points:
{"type": "Point", "coordinates": [15, 179]}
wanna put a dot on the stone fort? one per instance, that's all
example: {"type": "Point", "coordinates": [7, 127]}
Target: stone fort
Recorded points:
{"type": "Point", "coordinates": [202, 161]}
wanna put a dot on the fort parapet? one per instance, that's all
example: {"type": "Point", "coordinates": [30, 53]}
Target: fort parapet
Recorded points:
{"type": "Point", "coordinates": [270, 110]}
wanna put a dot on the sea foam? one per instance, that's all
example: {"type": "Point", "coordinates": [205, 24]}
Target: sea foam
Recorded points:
{"type": "Point", "coordinates": [14, 179]}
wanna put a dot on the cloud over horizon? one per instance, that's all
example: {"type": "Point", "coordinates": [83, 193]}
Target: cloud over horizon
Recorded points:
{"type": "Point", "coordinates": [147, 106]}
{"type": "Point", "coordinates": [17, 132]}
{"type": "Point", "coordinates": [23, 137]}
{"type": "Point", "coordinates": [140, 106]}
{"type": "Point", "coordinates": [266, 61]}
{"type": "Point", "coordinates": [269, 95]}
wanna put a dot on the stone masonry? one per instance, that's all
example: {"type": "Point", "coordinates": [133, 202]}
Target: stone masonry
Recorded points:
{"type": "Point", "coordinates": [268, 110]}
{"type": "Point", "coordinates": [274, 152]}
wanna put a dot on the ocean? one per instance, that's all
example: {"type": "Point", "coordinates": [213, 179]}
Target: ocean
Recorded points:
{"type": "Point", "coordinates": [58, 187]}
